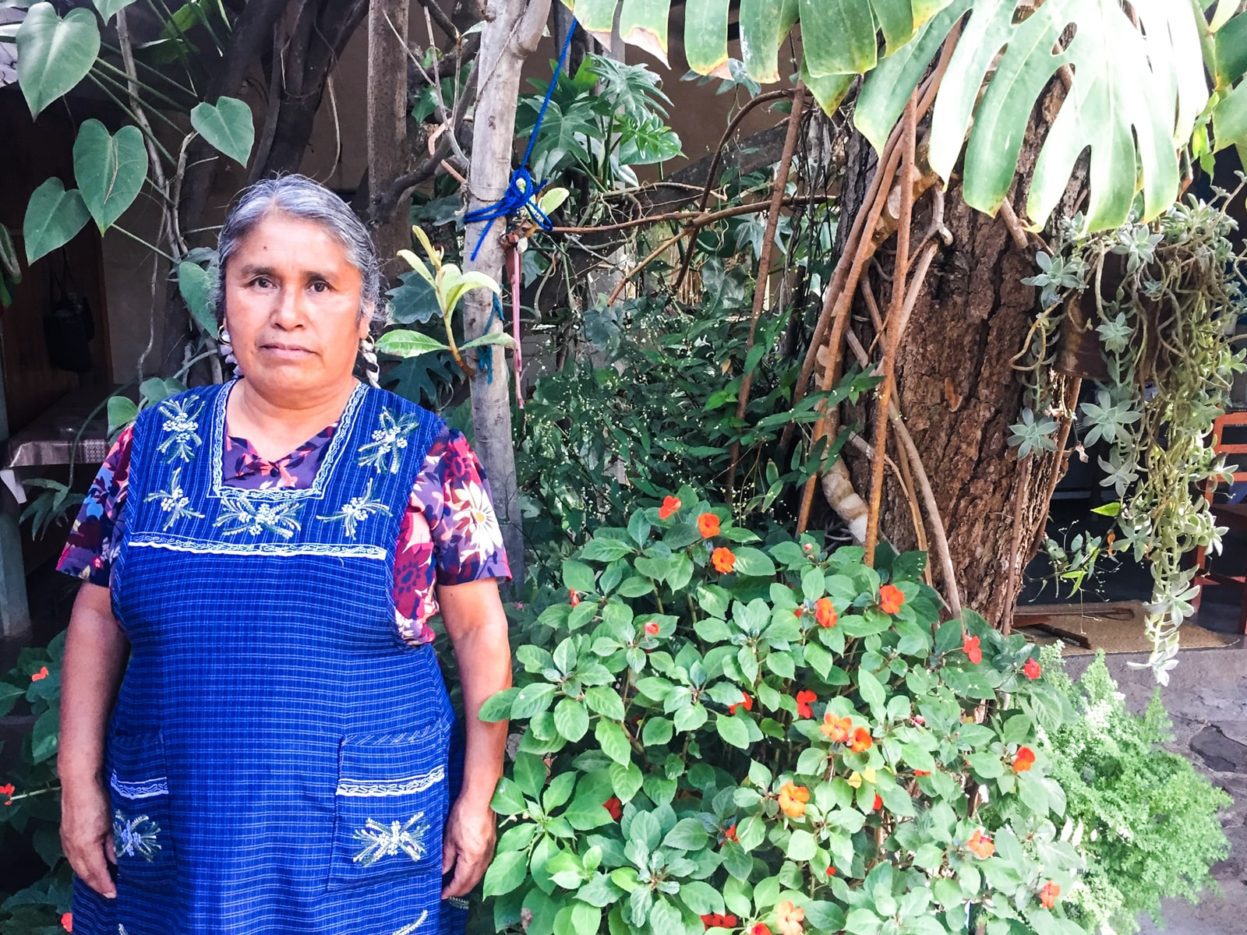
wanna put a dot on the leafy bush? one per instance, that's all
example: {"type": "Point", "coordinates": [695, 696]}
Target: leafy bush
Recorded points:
{"type": "Point", "coordinates": [722, 734]}
{"type": "Point", "coordinates": [1130, 798]}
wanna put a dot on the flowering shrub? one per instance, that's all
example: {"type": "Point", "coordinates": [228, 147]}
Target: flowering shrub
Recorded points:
{"type": "Point", "coordinates": [728, 735]}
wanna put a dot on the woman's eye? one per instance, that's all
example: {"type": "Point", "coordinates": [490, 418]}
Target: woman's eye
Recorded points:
{"type": "Point", "coordinates": [320, 286]}
{"type": "Point", "coordinates": [262, 282]}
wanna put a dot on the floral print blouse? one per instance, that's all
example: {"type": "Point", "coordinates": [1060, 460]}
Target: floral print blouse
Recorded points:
{"type": "Point", "coordinates": [449, 534]}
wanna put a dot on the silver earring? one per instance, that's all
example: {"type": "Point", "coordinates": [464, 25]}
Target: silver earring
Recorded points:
{"type": "Point", "coordinates": [226, 348]}
{"type": "Point", "coordinates": [368, 356]}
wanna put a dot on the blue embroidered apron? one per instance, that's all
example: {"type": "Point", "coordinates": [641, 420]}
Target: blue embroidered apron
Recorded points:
{"type": "Point", "coordinates": [277, 758]}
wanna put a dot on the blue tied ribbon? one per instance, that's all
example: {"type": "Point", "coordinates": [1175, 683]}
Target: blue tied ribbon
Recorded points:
{"type": "Point", "coordinates": [484, 355]}
{"type": "Point", "coordinates": [522, 189]}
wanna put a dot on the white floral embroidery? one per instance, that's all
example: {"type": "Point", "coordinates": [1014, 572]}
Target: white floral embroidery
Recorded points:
{"type": "Point", "coordinates": [181, 428]}
{"type": "Point", "coordinates": [145, 789]}
{"type": "Point", "coordinates": [356, 510]}
{"type": "Point", "coordinates": [174, 501]}
{"type": "Point", "coordinates": [385, 841]}
{"type": "Point", "coordinates": [251, 518]}
{"type": "Point", "coordinates": [201, 547]}
{"type": "Point", "coordinates": [135, 837]}
{"type": "Point", "coordinates": [359, 788]}
{"type": "Point", "coordinates": [388, 442]}
{"type": "Point", "coordinates": [408, 929]}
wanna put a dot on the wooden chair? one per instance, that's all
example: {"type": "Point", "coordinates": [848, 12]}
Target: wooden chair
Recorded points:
{"type": "Point", "coordinates": [1231, 515]}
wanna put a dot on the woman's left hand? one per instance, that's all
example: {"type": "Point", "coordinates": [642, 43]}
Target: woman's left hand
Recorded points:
{"type": "Point", "coordinates": [468, 845]}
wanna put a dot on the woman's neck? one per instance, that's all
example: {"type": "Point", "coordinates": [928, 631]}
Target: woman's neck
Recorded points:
{"type": "Point", "coordinates": [276, 426]}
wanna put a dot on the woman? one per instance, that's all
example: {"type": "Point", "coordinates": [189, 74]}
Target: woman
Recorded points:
{"type": "Point", "coordinates": [268, 554]}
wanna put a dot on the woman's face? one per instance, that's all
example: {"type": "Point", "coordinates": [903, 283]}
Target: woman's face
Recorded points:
{"type": "Point", "coordinates": [292, 306]}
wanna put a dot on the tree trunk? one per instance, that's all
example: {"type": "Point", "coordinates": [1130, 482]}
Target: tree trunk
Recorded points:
{"type": "Point", "coordinates": [387, 119]}
{"type": "Point", "coordinates": [958, 395]}
{"type": "Point", "coordinates": [511, 33]}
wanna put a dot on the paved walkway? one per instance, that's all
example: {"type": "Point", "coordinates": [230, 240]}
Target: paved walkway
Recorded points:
{"type": "Point", "coordinates": [1207, 701]}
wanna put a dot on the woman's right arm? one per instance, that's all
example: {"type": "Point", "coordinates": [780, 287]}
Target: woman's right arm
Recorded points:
{"type": "Point", "coordinates": [95, 657]}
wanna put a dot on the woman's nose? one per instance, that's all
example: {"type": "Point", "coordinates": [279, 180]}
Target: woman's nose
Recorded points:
{"type": "Point", "coordinates": [288, 312]}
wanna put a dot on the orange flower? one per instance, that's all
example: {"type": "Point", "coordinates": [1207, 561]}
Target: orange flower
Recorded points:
{"type": "Point", "coordinates": [792, 799]}
{"type": "Point", "coordinates": [890, 599]}
{"type": "Point", "coordinates": [708, 525]}
{"type": "Point", "coordinates": [970, 646]}
{"type": "Point", "coordinates": [651, 628]}
{"type": "Point", "coordinates": [980, 845]}
{"type": "Point", "coordinates": [669, 506]}
{"type": "Point", "coordinates": [572, 597]}
{"type": "Point", "coordinates": [877, 804]}
{"type": "Point", "coordinates": [67, 921]}
{"type": "Point", "coordinates": [1031, 670]}
{"type": "Point", "coordinates": [724, 560]}
{"type": "Point", "coordinates": [614, 806]}
{"type": "Point", "coordinates": [836, 729]}
{"type": "Point", "coordinates": [712, 920]}
{"type": "Point", "coordinates": [831, 871]}
{"type": "Point", "coordinates": [804, 697]}
{"type": "Point", "coordinates": [862, 741]}
{"type": "Point", "coordinates": [798, 611]}
{"type": "Point", "coordinates": [1024, 760]}
{"type": "Point", "coordinates": [825, 612]}
{"type": "Point", "coordinates": [745, 702]}
{"type": "Point", "coordinates": [789, 919]}
{"type": "Point", "coordinates": [760, 928]}
{"type": "Point", "coordinates": [922, 772]}
{"type": "Point", "coordinates": [7, 791]}
{"type": "Point", "coordinates": [729, 834]}
{"type": "Point", "coordinates": [40, 675]}
{"type": "Point", "coordinates": [1048, 895]}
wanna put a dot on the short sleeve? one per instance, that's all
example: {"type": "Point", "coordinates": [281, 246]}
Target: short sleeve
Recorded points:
{"type": "Point", "coordinates": [96, 533]}
{"type": "Point", "coordinates": [454, 495]}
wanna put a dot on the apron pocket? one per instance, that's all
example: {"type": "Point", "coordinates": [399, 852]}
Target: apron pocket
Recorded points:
{"type": "Point", "coordinates": [390, 803]}
{"type": "Point", "coordinates": [138, 787]}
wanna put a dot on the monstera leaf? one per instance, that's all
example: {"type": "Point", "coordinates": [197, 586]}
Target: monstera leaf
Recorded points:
{"type": "Point", "coordinates": [1139, 81]}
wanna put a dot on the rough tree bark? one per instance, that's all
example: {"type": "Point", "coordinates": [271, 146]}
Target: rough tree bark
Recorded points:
{"type": "Point", "coordinates": [387, 118]}
{"type": "Point", "coordinates": [512, 31]}
{"type": "Point", "coordinates": [959, 394]}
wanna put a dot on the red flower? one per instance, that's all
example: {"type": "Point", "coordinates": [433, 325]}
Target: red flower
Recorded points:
{"type": "Point", "coordinates": [729, 834]}
{"type": "Point", "coordinates": [798, 611]}
{"type": "Point", "coordinates": [825, 612]}
{"type": "Point", "coordinates": [760, 928]}
{"type": "Point", "coordinates": [804, 697]}
{"type": "Point", "coordinates": [1031, 670]}
{"type": "Point", "coordinates": [890, 599]}
{"type": "Point", "coordinates": [922, 772]}
{"type": "Point", "coordinates": [67, 921]}
{"type": "Point", "coordinates": [877, 804]}
{"type": "Point", "coordinates": [1024, 760]}
{"type": "Point", "coordinates": [572, 597]}
{"type": "Point", "coordinates": [970, 646]}
{"type": "Point", "coordinates": [40, 675]}
{"type": "Point", "coordinates": [715, 920]}
{"type": "Point", "coordinates": [724, 560]}
{"type": "Point", "coordinates": [708, 525]}
{"type": "Point", "coordinates": [669, 506]}
{"type": "Point", "coordinates": [614, 806]}
{"type": "Point", "coordinates": [1048, 895]}
{"type": "Point", "coordinates": [745, 702]}
{"type": "Point", "coordinates": [862, 741]}
{"type": "Point", "coordinates": [831, 871]}
{"type": "Point", "coordinates": [7, 791]}
{"type": "Point", "coordinates": [651, 628]}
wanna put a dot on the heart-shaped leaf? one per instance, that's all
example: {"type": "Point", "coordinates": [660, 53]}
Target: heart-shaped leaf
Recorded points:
{"type": "Point", "coordinates": [196, 288]}
{"type": "Point", "coordinates": [54, 54]}
{"type": "Point", "coordinates": [110, 8]}
{"type": "Point", "coordinates": [227, 126]}
{"type": "Point", "coordinates": [53, 217]}
{"type": "Point", "coordinates": [404, 343]}
{"type": "Point", "coordinates": [110, 169]}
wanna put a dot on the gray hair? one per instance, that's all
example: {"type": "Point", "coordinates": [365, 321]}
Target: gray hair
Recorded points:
{"type": "Point", "coordinates": [304, 198]}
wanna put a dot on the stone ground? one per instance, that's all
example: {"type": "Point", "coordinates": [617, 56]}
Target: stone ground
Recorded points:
{"type": "Point", "coordinates": [1207, 701]}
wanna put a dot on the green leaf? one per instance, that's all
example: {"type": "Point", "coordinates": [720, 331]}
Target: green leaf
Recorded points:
{"type": "Point", "coordinates": [872, 691]}
{"type": "Point", "coordinates": [54, 54]}
{"type": "Point", "coordinates": [705, 36]}
{"type": "Point", "coordinates": [571, 719]}
{"type": "Point", "coordinates": [195, 287]}
{"type": "Point", "coordinates": [53, 217]}
{"type": "Point", "coordinates": [1229, 118]}
{"type": "Point", "coordinates": [43, 738]}
{"type": "Point", "coordinates": [405, 343]}
{"type": "Point", "coordinates": [532, 699]}
{"type": "Point", "coordinates": [110, 8]}
{"type": "Point", "coordinates": [754, 562]}
{"type": "Point", "coordinates": [121, 411]}
{"type": "Point", "coordinates": [110, 170]}
{"type": "Point", "coordinates": [489, 339]}
{"type": "Point", "coordinates": [643, 23]}
{"type": "Point", "coordinates": [497, 707]}
{"type": "Point", "coordinates": [733, 731]}
{"type": "Point", "coordinates": [801, 846]}
{"type": "Point", "coordinates": [508, 799]}
{"type": "Point", "coordinates": [577, 576]}
{"type": "Point", "coordinates": [613, 741]}
{"type": "Point", "coordinates": [507, 871]}
{"type": "Point", "coordinates": [227, 126]}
